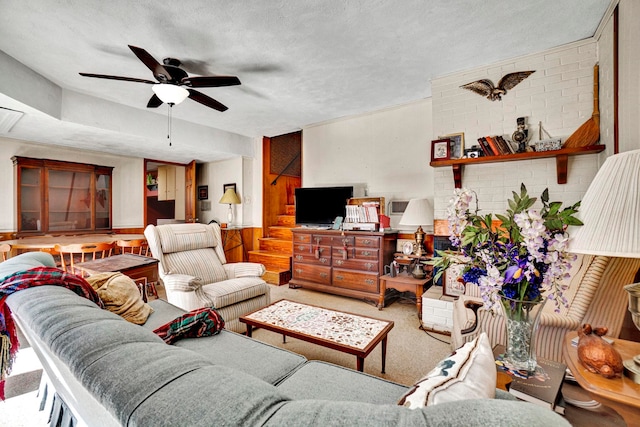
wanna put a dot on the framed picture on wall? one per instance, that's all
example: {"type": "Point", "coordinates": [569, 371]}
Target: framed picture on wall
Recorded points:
{"type": "Point", "coordinates": [456, 145]}
{"type": "Point", "coordinates": [440, 149]}
{"type": "Point", "coordinates": [203, 192]}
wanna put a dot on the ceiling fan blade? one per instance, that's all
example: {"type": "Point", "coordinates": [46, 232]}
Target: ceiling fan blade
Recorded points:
{"type": "Point", "coordinates": [205, 100]}
{"type": "Point", "coordinates": [156, 68]}
{"type": "Point", "coordinates": [154, 102]}
{"type": "Point", "coordinates": [211, 81]}
{"type": "Point", "coordinates": [126, 79]}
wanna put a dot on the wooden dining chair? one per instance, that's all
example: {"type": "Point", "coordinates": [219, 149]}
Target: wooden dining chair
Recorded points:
{"type": "Point", "coordinates": [5, 249]}
{"type": "Point", "coordinates": [81, 252]}
{"type": "Point", "coordinates": [137, 247]}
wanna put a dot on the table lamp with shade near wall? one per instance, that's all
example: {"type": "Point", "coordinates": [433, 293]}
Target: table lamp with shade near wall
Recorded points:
{"type": "Point", "coordinates": [610, 211]}
{"type": "Point", "coordinates": [231, 198]}
{"type": "Point", "coordinates": [419, 212]}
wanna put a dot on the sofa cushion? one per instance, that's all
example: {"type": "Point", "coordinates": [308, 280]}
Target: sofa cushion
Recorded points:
{"type": "Point", "coordinates": [258, 359]}
{"type": "Point", "coordinates": [469, 373]}
{"type": "Point", "coordinates": [24, 262]}
{"type": "Point", "coordinates": [201, 263]}
{"type": "Point", "coordinates": [121, 296]}
{"type": "Point", "coordinates": [321, 380]}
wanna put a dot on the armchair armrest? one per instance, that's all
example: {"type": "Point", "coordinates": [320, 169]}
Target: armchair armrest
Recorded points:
{"type": "Point", "coordinates": [244, 269]}
{"type": "Point", "coordinates": [474, 306]}
{"type": "Point", "coordinates": [182, 282]}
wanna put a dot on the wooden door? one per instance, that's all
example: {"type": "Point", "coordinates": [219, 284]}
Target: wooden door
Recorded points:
{"type": "Point", "coordinates": [190, 192]}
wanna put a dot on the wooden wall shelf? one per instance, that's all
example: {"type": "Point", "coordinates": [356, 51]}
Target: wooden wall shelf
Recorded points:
{"type": "Point", "coordinates": [562, 157]}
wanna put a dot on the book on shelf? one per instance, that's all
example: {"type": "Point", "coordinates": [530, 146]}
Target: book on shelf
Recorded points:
{"type": "Point", "coordinates": [494, 145]}
{"type": "Point", "coordinates": [484, 145]}
{"type": "Point", "coordinates": [504, 145]}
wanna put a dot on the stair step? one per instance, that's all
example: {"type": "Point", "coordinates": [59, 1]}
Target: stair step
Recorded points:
{"type": "Point", "coordinates": [290, 210]}
{"type": "Point", "coordinates": [287, 220]}
{"type": "Point", "coordinates": [276, 245]}
{"type": "Point", "coordinates": [271, 260]}
{"type": "Point", "coordinates": [279, 232]}
{"type": "Point", "coordinates": [279, 278]}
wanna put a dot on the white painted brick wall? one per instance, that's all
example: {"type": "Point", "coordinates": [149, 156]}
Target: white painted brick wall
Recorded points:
{"type": "Point", "coordinates": [437, 314]}
{"type": "Point", "coordinates": [559, 93]}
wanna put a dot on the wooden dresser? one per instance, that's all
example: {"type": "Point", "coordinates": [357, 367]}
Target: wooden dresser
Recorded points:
{"type": "Point", "coordinates": [345, 263]}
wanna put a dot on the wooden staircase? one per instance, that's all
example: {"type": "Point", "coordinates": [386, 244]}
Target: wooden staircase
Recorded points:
{"type": "Point", "coordinates": [276, 250]}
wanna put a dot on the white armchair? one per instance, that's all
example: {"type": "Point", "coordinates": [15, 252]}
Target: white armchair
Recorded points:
{"type": "Point", "coordinates": [195, 272]}
{"type": "Point", "coordinates": [595, 296]}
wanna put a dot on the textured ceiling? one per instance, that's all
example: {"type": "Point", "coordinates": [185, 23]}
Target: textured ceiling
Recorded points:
{"type": "Point", "coordinates": [300, 62]}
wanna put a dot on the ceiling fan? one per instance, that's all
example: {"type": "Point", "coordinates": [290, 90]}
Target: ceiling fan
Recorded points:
{"type": "Point", "coordinates": [171, 82]}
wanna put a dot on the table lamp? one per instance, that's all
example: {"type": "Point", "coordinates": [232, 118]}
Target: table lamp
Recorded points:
{"type": "Point", "coordinates": [231, 198]}
{"type": "Point", "coordinates": [610, 211]}
{"type": "Point", "coordinates": [419, 212]}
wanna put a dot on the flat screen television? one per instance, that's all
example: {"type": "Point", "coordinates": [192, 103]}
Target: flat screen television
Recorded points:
{"type": "Point", "coordinates": [319, 206]}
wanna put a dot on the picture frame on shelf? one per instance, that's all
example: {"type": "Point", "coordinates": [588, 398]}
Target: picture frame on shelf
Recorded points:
{"type": "Point", "coordinates": [451, 287]}
{"type": "Point", "coordinates": [457, 144]}
{"type": "Point", "coordinates": [440, 149]}
{"type": "Point", "coordinates": [203, 192]}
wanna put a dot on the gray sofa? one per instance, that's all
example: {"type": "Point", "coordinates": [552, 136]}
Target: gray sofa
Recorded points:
{"type": "Point", "coordinates": [108, 371]}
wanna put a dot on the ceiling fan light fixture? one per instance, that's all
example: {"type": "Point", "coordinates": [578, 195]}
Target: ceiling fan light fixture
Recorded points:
{"type": "Point", "coordinates": [169, 93]}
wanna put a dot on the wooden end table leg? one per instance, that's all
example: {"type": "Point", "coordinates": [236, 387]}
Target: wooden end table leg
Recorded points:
{"type": "Point", "coordinates": [383, 290]}
{"type": "Point", "coordinates": [384, 354]}
{"type": "Point", "coordinates": [419, 291]}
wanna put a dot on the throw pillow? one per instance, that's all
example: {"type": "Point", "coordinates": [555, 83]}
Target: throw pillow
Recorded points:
{"type": "Point", "coordinates": [469, 373]}
{"type": "Point", "coordinates": [201, 322]}
{"type": "Point", "coordinates": [121, 296]}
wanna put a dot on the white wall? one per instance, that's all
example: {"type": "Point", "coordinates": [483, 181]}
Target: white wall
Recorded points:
{"type": "Point", "coordinates": [629, 80]}
{"type": "Point", "coordinates": [127, 180]}
{"type": "Point", "coordinates": [388, 151]}
{"type": "Point", "coordinates": [559, 93]}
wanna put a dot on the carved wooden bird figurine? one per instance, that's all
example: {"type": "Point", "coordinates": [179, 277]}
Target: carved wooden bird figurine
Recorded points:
{"type": "Point", "coordinates": [486, 88]}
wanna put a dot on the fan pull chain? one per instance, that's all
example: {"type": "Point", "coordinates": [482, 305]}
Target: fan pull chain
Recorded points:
{"type": "Point", "coordinates": [169, 123]}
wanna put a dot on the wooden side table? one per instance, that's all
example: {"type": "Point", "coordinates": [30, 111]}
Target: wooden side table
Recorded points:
{"type": "Point", "coordinates": [620, 394]}
{"type": "Point", "coordinates": [403, 282]}
{"type": "Point", "coordinates": [137, 267]}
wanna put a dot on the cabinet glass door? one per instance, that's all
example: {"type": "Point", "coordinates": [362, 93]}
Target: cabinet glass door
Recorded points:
{"type": "Point", "coordinates": [103, 209]}
{"type": "Point", "coordinates": [30, 199]}
{"type": "Point", "coordinates": [69, 200]}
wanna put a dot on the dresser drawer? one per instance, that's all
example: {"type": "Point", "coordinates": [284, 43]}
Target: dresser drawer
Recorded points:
{"type": "Point", "coordinates": [364, 253]}
{"type": "Point", "coordinates": [313, 273]}
{"type": "Point", "coordinates": [368, 242]}
{"type": "Point", "coordinates": [319, 239]}
{"type": "Point", "coordinates": [356, 264]}
{"type": "Point", "coordinates": [338, 253]}
{"type": "Point", "coordinates": [355, 280]}
{"type": "Point", "coordinates": [301, 238]}
{"type": "Point", "coordinates": [308, 254]}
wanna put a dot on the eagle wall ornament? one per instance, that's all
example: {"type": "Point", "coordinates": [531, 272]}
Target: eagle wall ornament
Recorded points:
{"type": "Point", "coordinates": [486, 88]}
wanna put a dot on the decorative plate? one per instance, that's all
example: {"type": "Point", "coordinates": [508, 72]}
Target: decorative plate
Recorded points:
{"type": "Point", "coordinates": [407, 248]}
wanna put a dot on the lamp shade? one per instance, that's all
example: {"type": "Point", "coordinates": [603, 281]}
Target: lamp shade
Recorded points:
{"type": "Point", "coordinates": [230, 197]}
{"type": "Point", "coordinates": [169, 93]}
{"type": "Point", "coordinates": [610, 210]}
{"type": "Point", "coordinates": [418, 212]}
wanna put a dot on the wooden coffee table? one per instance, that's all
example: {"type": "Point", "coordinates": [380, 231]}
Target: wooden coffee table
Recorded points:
{"type": "Point", "coordinates": [346, 332]}
{"type": "Point", "coordinates": [620, 394]}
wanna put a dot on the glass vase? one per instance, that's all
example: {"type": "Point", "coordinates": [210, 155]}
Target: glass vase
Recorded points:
{"type": "Point", "coordinates": [521, 319]}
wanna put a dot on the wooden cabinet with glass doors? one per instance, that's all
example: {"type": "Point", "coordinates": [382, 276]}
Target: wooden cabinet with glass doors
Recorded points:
{"type": "Point", "coordinates": [61, 197]}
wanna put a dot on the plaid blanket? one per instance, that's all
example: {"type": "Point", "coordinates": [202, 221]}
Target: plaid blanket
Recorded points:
{"type": "Point", "coordinates": [27, 279]}
{"type": "Point", "coordinates": [202, 322]}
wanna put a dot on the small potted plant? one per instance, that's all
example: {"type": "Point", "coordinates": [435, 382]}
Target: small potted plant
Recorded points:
{"type": "Point", "coordinates": [152, 184]}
